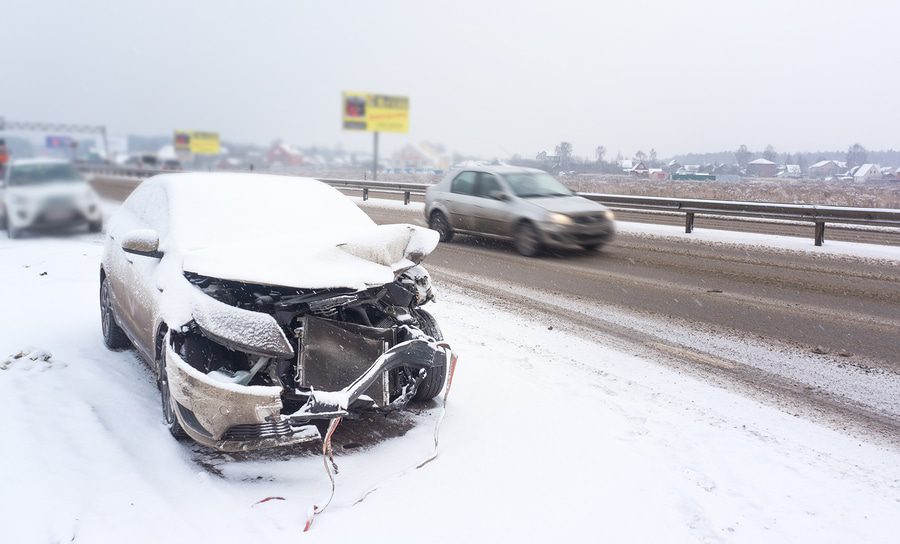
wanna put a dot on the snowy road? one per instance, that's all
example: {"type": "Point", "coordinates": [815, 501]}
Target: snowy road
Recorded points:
{"type": "Point", "coordinates": [548, 436]}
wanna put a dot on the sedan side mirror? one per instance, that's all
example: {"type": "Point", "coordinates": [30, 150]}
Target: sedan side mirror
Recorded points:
{"type": "Point", "coordinates": [499, 195]}
{"type": "Point", "coordinates": [143, 242]}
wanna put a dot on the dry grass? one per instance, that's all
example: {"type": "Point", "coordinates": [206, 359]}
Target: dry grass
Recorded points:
{"type": "Point", "coordinates": [884, 194]}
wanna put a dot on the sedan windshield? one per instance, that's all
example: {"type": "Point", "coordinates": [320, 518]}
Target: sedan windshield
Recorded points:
{"type": "Point", "coordinates": [37, 174]}
{"type": "Point", "coordinates": [538, 184]}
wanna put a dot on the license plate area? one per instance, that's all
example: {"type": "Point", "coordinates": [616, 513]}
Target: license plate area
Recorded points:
{"type": "Point", "coordinates": [333, 354]}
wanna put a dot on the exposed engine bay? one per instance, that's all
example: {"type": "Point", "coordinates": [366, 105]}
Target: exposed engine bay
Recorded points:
{"type": "Point", "coordinates": [346, 352]}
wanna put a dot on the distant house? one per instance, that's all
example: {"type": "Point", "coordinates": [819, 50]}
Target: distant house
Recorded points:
{"type": "Point", "coordinates": [282, 154]}
{"type": "Point", "coordinates": [827, 169]}
{"type": "Point", "coordinates": [790, 171]}
{"type": "Point", "coordinates": [625, 164]}
{"type": "Point", "coordinates": [868, 172]}
{"type": "Point", "coordinates": [421, 156]}
{"type": "Point", "coordinates": [639, 168]}
{"type": "Point", "coordinates": [762, 168]}
{"type": "Point", "coordinates": [657, 174]}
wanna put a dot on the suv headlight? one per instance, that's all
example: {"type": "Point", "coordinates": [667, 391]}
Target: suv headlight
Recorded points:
{"type": "Point", "coordinates": [609, 215]}
{"type": "Point", "coordinates": [560, 219]}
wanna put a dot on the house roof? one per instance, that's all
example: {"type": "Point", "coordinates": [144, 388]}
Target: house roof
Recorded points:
{"type": "Point", "coordinates": [761, 161]}
{"type": "Point", "coordinates": [867, 169]}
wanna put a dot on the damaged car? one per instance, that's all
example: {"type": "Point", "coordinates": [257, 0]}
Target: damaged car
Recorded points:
{"type": "Point", "coordinates": [268, 306]}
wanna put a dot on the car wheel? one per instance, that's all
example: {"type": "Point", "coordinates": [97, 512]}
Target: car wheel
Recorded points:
{"type": "Point", "coordinates": [113, 335]}
{"type": "Point", "coordinates": [591, 247]}
{"type": "Point", "coordinates": [527, 240]}
{"type": "Point", "coordinates": [95, 226]}
{"type": "Point", "coordinates": [438, 222]}
{"type": "Point", "coordinates": [433, 383]}
{"type": "Point", "coordinates": [168, 403]}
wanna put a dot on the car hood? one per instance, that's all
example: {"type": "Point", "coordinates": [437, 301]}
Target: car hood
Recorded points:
{"type": "Point", "coordinates": [371, 257]}
{"type": "Point", "coordinates": [64, 189]}
{"type": "Point", "coordinates": [567, 204]}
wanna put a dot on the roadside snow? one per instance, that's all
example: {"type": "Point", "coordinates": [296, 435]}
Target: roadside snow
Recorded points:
{"type": "Point", "coordinates": [547, 437]}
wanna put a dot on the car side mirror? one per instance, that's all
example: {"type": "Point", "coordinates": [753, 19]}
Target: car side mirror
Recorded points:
{"type": "Point", "coordinates": [499, 195]}
{"type": "Point", "coordinates": [143, 242]}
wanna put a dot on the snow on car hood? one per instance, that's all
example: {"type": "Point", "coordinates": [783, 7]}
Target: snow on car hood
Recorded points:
{"type": "Point", "coordinates": [371, 257]}
{"type": "Point", "coordinates": [567, 204]}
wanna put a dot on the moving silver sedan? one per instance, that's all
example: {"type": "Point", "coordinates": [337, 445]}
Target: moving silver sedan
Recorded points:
{"type": "Point", "coordinates": [268, 306]}
{"type": "Point", "coordinates": [525, 204]}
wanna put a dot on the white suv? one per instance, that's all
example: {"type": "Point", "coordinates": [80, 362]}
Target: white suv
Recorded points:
{"type": "Point", "coordinates": [46, 193]}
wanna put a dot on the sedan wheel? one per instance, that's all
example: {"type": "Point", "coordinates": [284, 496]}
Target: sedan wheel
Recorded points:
{"type": "Point", "coordinates": [168, 403]}
{"type": "Point", "coordinates": [527, 240]}
{"type": "Point", "coordinates": [113, 335]}
{"type": "Point", "coordinates": [439, 223]}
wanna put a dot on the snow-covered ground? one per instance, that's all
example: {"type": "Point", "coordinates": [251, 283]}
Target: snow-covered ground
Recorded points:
{"type": "Point", "coordinates": [547, 437]}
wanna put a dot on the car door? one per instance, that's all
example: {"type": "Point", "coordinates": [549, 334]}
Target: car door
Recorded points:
{"type": "Point", "coordinates": [144, 290]}
{"type": "Point", "coordinates": [461, 201]}
{"type": "Point", "coordinates": [492, 215]}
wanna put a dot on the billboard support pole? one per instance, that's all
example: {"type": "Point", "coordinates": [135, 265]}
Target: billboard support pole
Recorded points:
{"type": "Point", "coordinates": [375, 158]}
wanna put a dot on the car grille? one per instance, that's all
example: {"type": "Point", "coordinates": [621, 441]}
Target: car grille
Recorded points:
{"type": "Point", "coordinates": [257, 431]}
{"type": "Point", "coordinates": [589, 219]}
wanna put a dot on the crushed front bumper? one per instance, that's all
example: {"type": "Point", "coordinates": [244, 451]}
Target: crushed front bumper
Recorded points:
{"type": "Point", "coordinates": [233, 417]}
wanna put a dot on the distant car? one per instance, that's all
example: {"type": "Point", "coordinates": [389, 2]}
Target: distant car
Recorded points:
{"type": "Point", "coordinates": [262, 328]}
{"type": "Point", "coordinates": [524, 204]}
{"type": "Point", "coordinates": [171, 164]}
{"type": "Point", "coordinates": [45, 194]}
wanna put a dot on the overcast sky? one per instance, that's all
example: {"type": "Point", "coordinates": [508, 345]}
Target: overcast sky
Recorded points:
{"type": "Point", "coordinates": [485, 77]}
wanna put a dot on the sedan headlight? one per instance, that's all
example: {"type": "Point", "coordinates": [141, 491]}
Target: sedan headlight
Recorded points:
{"type": "Point", "coordinates": [560, 219]}
{"type": "Point", "coordinates": [609, 215]}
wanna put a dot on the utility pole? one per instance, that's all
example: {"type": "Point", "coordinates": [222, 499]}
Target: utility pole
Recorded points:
{"type": "Point", "coordinates": [375, 158]}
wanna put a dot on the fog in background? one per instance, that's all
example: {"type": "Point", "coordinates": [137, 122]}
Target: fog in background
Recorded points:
{"type": "Point", "coordinates": [490, 78]}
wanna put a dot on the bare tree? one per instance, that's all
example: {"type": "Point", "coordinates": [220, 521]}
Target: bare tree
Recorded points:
{"type": "Point", "coordinates": [640, 155]}
{"type": "Point", "coordinates": [769, 154]}
{"type": "Point", "coordinates": [542, 156]}
{"type": "Point", "coordinates": [742, 155]}
{"type": "Point", "coordinates": [652, 157]}
{"type": "Point", "coordinates": [600, 152]}
{"type": "Point", "coordinates": [856, 155]}
{"type": "Point", "coordinates": [564, 152]}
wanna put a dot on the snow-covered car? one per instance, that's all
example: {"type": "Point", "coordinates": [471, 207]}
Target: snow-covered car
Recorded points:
{"type": "Point", "coordinates": [44, 194]}
{"type": "Point", "coordinates": [268, 306]}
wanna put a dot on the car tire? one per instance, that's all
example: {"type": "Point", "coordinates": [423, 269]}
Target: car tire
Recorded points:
{"type": "Point", "coordinates": [170, 420]}
{"type": "Point", "coordinates": [438, 222]}
{"type": "Point", "coordinates": [113, 335]}
{"type": "Point", "coordinates": [95, 226]}
{"type": "Point", "coordinates": [433, 383]}
{"type": "Point", "coordinates": [527, 239]}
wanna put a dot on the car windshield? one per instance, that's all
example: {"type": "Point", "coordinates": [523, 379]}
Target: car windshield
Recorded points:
{"type": "Point", "coordinates": [41, 173]}
{"type": "Point", "coordinates": [538, 184]}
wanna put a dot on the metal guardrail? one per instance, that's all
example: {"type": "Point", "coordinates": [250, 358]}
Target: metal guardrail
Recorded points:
{"type": "Point", "coordinates": [816, 214]}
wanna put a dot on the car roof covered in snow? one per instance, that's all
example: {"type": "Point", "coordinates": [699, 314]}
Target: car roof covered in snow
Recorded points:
{"type": "Point", "coordinates": [215, 208]}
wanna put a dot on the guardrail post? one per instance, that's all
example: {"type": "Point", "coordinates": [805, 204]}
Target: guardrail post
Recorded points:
{"type": "Point", "coordinates": [689, 222]}
{"type": "Point", "coordinates": [406, 198]}
{"type": "Point", "coordinates": [365, 193]}
{"type": "Point", "coordinates": [820, 232]}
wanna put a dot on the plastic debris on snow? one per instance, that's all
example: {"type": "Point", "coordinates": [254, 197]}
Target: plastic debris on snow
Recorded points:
{"type": "Point", "coordinates": [29, 358]}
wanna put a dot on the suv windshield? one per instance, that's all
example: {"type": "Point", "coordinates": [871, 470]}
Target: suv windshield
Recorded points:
{"type": "Point", "coordinates": [527, 184]}
{"type": "Point", "coordinates": [36, 174]}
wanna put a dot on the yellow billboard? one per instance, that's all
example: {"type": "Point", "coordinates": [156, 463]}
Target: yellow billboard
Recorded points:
{"type": "Point", "coordinates": [375, 112]}
{"type": "Point", "coordinates": [196, 142]}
